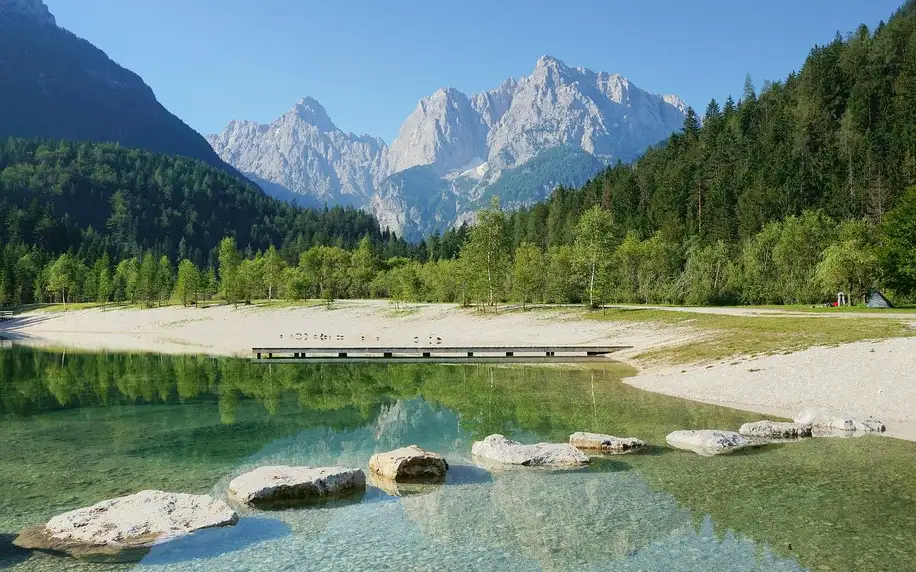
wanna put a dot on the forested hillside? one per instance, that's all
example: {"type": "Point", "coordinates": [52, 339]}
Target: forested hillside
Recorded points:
{"type": "Point", "coordinates": [96, 200]}
{"type": "Point", "coordinates": [59, 86]}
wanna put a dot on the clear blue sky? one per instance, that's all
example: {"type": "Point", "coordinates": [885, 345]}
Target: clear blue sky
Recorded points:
{"type": "Point", "coordinates": [370, 61]}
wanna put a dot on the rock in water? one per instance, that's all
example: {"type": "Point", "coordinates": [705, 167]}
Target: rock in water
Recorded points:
{"type": "Point", "coordinates": [775, 430]}
{"type": "Point", "coordinates": [708, 443]}
{"type": "Point", "coordinates": [124, 529]}
{"type": "Point", "coordinates": [500, 450]}
{"type": "Point", "coordinates": [281, 485]}
{"type": "Point", "coordinates": [409, 463]}
{"type": "Point", "coordinates": [605, 443]}
{"type": "Point", "coordinates": [822, 418]}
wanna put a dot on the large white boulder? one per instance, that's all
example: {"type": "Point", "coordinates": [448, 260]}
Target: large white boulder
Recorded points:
{"type": "Point", "coordinates": [708, 442]}
{"type": "Point", "coordinates": [825, 419]}
{"type": "Point", "coordinates": [124, 529]}
{"type": "Point", "coordinates": [409, 463]}
{"type": "Point", "coordinates": [605, 443]}
{"type": "Point", "coordinates": [497, 449]}
{"type": "Point", "coordinates": [280, 485]}
{"type": "Point", "coordinates": [775, 430]}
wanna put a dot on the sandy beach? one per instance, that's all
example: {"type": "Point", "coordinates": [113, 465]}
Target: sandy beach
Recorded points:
{"type": "Point", "coordinates": [865, 378]}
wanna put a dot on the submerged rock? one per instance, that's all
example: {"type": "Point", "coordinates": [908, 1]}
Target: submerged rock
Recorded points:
{"type": "Point", "coordinates": [409, 464]}
{"type": "Point", "coordinates": [776, 430]}
{"type": "Point", "coordinates": [708, 442]}
{"type": "Point", "coordinates": [825, 419]}
{"type": "Point", "coordinates": [281, 485]}
{"type": "Point", "coordinates": [503, 451]}
{"type": "Point", "coordinates": [605, 443]}
{"type": "Point", "coordinates": [124, 529]}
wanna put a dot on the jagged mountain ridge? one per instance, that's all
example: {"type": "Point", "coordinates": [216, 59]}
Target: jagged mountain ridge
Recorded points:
{"type": "Point", "coordinates": [452, 148]}
{"type": "Point", "coordinates": [59, 86]}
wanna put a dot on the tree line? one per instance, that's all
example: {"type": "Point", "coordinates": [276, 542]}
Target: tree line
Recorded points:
{"type": "Point", "coordinates": [802, 259]}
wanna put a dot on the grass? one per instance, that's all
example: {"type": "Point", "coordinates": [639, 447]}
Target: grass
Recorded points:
{"type": "Point", "coordinates": [832, 310]}
{"type": "Point", "coordinates": [721, 336]}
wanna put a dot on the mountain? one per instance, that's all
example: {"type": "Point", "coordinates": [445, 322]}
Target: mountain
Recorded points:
{"type": "Point", "coordinates": [454, 150]}
{"type": "Point", "coordinates": [63, 87]}
{"type": "Point", "coordinates": [305, 153]}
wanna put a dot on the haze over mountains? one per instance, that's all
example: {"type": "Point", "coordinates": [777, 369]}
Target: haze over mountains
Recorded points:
{"type": "Point", "coordinates": [559, 125]}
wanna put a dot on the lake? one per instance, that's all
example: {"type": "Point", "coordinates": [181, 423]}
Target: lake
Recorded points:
{"type": "Point", "coordinates": [79, 427]}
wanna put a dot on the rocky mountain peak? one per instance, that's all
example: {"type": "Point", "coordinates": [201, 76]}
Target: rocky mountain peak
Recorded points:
{"type": "Point", "coordinates": [34, 9]}
{"type": "Point", "coordinates": [559, 124]}
{"type": "Point", "coordinates": [310, 111]}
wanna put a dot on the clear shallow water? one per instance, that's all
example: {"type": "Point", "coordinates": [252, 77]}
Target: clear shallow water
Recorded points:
{"type": "Point", "coordinates": [78, 428]}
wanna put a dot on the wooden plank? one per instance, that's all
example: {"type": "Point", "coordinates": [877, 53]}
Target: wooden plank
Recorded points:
{"type": "Point", "coordinates": [434, 359]}
{"type": "Point", "coordinates": [438, 354]}
{"type": "Point", "coordinates": [441, 349]}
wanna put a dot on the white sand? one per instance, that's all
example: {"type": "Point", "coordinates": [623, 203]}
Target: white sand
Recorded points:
{"type": "Point", "coordinates": [863, 379]}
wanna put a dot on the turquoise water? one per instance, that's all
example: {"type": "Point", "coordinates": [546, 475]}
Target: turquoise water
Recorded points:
{"type": "Point", "coordinates": [79, 428]}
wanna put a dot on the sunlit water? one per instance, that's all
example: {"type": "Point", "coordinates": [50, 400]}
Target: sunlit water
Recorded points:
{"type": "Point", "coordinates": [79, 428]}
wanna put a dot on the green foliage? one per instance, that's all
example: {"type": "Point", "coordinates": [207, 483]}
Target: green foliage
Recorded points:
{"type": "Point", "coordinates": [93, 200]}
{"type": "Point", "coordinates": [528, 277]}
{"type": "Point", "coordinates": [487, 254]}
{"type": "Point", "coordinates": [325, 267]}
{"type": "Point", "coordinates": [187, 285]}
{"type": "Point", "coordinates": [593, 235]}
{"type": "Point", "coordinates": [850, 264]}
{"type": "Point", "coordinates": [898, 252]}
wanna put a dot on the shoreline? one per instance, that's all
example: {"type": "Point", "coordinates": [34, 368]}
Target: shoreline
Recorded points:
{"type": "Point", "coordinates": [861, 378]}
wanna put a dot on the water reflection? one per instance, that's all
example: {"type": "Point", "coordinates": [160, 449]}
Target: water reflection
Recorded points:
{"type": "Point", "coordinates": [78, 428]}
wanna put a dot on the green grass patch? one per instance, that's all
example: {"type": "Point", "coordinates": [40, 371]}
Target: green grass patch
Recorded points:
{"type": "Point", "coordinates": [719, 336]}
{"type": "Point", "coordinates": [832, 310]}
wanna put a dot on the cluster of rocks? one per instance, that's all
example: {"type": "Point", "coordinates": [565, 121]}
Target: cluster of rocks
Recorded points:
{"type": "Point", "coordinates": [126, 528]}
{"type": "Point", "coordinates": [808, 423]}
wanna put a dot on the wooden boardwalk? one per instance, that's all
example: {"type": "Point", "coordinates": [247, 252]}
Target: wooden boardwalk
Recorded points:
{"type": "Point", "coordinates": [436, 354]}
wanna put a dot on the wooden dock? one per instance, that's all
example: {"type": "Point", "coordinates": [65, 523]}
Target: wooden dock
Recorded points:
{"type": "Point", "coordinates": [434, 354]}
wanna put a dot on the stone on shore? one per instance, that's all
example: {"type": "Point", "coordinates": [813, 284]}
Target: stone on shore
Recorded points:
{"type": "Point", "coordinates": [707, 442]}
{"type": "Point", "coordinates": [409, 464]}
{"type": "Point", "coordinates": [124, 529]}
{"type": "Point", "coordinates": [281, 485]}
{"type": "Point", "coordinates": [824, 419]}
{"type": "Point", "coordinates": [776, 430]}
{"type": "Point", "coordinates": [605, 443]}
{"type": "Point", "coordinates": [499, 450]}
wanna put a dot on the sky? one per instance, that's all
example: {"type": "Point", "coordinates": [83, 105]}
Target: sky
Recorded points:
{"type": "Point", "coordinates": [370, 61]}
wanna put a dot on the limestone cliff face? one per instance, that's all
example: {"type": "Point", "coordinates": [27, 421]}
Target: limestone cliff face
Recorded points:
{"type": "Point", "coordinates": [454, 149]}
{"type": "Point", "coordinates": [306, 153]}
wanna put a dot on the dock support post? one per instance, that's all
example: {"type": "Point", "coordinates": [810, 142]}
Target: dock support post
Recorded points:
{"type": "Point", "coordinates": [342, 354]}
{"type": "Point", "coordinates": [387, 355]}
{"type": "Point", "coordinates": [470, 354]}
{"type": "Point", "coordinates": [426, 354]}
{"type": "Point", "coordinates": [259, 355]}
{"type": "Point", "coordinates": [509, 354]}
{"type": "Point", "coordinates": [270, 355]}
